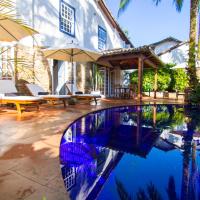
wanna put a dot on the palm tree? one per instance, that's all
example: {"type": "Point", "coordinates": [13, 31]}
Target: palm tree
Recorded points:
{"type": "Point", "coordinates": [194, 5]}
{"type": "Point", "coordinates": [199, 39]}
{"type": "Point", "coordinates": [21, 64]}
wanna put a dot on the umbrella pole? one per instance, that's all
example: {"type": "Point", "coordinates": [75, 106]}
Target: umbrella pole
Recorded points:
{"type": "Point", "coordinates": [72, 81]}
{"type": "Point", "coordinates": [72, 72]}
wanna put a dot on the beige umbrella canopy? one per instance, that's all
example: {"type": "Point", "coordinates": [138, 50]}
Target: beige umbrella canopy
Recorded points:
{"type": "Point", "coordinates": [72, 54]}
{"type": "Point", "coordinates": [13, 30]}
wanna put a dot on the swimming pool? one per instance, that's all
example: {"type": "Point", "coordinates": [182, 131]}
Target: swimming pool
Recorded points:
{"type": "Point", "coordinates": [133, 152]}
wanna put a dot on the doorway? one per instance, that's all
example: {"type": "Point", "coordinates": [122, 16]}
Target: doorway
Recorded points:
{"type": "Point", "coordinates": [59, 77]}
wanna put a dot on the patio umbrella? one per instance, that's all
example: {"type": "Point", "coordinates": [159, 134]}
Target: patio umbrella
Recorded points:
{"type": "Point", "coordinates": [13, 30]}
{"type": "Point", "coordinates": [72, 54]}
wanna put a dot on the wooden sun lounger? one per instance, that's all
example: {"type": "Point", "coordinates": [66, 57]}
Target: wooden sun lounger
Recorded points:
{"type": "Point", "coordinates": [19, 101]}
{"type": "Point", "coordinates": [35, 90]}
{"type": "Point", "coordinates": [88, 97]}
{"type": "Point", "coordinates": [54, 98]}
{"type": "Point", "coordinates": [82, 96]}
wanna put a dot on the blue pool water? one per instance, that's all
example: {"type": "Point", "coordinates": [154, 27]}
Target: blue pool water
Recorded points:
{"type": "Point", "coordinates": [146, 152]}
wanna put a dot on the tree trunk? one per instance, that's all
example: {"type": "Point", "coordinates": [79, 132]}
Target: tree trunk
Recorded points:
{"type": "Point", "coordinates": [191, 70]}
{"type": "Point", "coordinates": [199, 37]}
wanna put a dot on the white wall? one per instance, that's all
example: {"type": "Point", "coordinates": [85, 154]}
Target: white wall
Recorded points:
{"type": "Point", "coordinates": [164, 46]}
{"type": "Point", "coordinates": [44, 17]}
{"type": "Point", "coordinates": [177, 56]}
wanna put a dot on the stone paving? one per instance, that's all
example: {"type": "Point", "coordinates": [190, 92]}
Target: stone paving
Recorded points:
{"type": "Point", "coordinates": [29, 149]}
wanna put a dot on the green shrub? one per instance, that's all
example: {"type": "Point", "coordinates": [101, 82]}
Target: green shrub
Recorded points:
{"type": "Point", "coordinates": [164, 79]}
{"type": "Point", "coordinates": [168, 79]}
{"type": "Point", "coordinates": [148, 79]}
{"type": "Point", "coordinates": [179, 80]}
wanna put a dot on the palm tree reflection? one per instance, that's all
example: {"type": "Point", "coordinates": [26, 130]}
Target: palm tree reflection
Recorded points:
{"type": "Point", "coordinates": [151, 192]}
{"type": "Point", "coordinates": [189, 188]}
{"type": "Point", "coordinates": [162, 117]}
{"type": "Point", "coordinates": [171, 189]}
{"type": "Point", "coordinates": [94, 147]}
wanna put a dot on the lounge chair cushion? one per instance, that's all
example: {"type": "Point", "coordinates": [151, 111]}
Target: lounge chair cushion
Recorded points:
{"type": "Point", "coordinates": [7, 86]}
{"type": "Point", "coordinates": [88, 95]}
{"type": "Point", "coordinates": [43, 93]}
{"type": "Point", "coordinates": [12, 94]}
{"type": "Point", "coordinates": [21, 98]}
{"type": "Point", "coordinates": [78, 92]}
{"type": "Point", "coordinates": [55, 96]}
{"type": "Point", "coordinates": [96, 94]}
{"type": "Point", "coordinates": [35, 89]}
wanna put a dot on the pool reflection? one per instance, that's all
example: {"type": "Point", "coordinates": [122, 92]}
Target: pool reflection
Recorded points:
{"type": "Point", "coordinates": [98, 150]}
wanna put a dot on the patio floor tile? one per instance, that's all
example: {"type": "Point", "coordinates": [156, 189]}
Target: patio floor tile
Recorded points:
{"type": "Point", "coordinates": [29, 150]}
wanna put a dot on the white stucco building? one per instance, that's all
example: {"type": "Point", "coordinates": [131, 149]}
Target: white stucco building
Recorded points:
{"type": "Point", "coordinates": [86, 23]}
{"type": "Point", "coordinates": [173, 51]}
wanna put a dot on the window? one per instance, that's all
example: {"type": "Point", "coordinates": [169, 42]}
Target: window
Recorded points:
{"type": "Point", "coordinates": [69, 177]}
{"type": "Point", "coordinates": [102, 38]}
{"type": "Point", "coordinates": [67, 18]}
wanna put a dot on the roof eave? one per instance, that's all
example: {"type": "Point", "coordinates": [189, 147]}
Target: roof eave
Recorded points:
{"type": "Point", "coordinates": [165, 40]}
{"type": "Point", "coordinates": [114, 23]}
{"type": "Point", "coordinates": [140, 50]}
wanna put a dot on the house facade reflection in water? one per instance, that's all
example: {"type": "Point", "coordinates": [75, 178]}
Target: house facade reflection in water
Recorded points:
{"type": "Point", "coordinates": [133, 152]}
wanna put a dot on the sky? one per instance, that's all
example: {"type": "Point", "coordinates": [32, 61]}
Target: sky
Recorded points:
{"type": "Point", "coordinates": [147, 23]}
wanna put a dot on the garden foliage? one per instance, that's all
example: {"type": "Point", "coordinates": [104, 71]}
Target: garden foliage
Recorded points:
{"type": "Point", "coordinates": [168, 79]}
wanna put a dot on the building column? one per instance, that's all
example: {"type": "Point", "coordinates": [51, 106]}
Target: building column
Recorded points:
{"type": "Point", "coordinates": [139, 125]}
{"type": "Point", "coordinates": [140, 77]}
{"type": "Point", "coordinates": [117, 75]}
{"type": "Point", "coordinates": [155, 82]}
{"type": "Point", "coordinates": [154, 115]}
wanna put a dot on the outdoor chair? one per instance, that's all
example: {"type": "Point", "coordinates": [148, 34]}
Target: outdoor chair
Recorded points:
{"type": "Point", "coordinates": [117, 89]}
{"type": "Point", "coordinates": [93, 96]}
{"type": "Point", "coordinates": [36, 91]}
{"type": "Point", "coordinates": [9, 95]}
{"type": "Point", "coordinates": [123, 92]}
{"type": "Point", "coordinates": [127, 92]}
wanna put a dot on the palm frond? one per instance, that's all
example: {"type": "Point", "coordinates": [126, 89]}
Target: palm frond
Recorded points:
{"type": "Point", "coordinates": [157, 1]}
{"type": "Point", "coordinates": [6, 3]}
{"type": "Point", "coordinates": [171, 190]}
{"type": "Point", "coordinates": [8, 11]}
{"type": "Point", "coordinates": [7, 6]}
{"type": "Point", "coordinates": [199, 6]}
{"type": "Point", "coordinates": [178, 4]}
{"type": "Point", "coordinates": [123, 5]}
{"type": "Point", "coordinates": [123, 194]}
{"type": "Point", "coordinates": [141, 195]}
{"type": "Point", "coordinates": [153, 192]}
